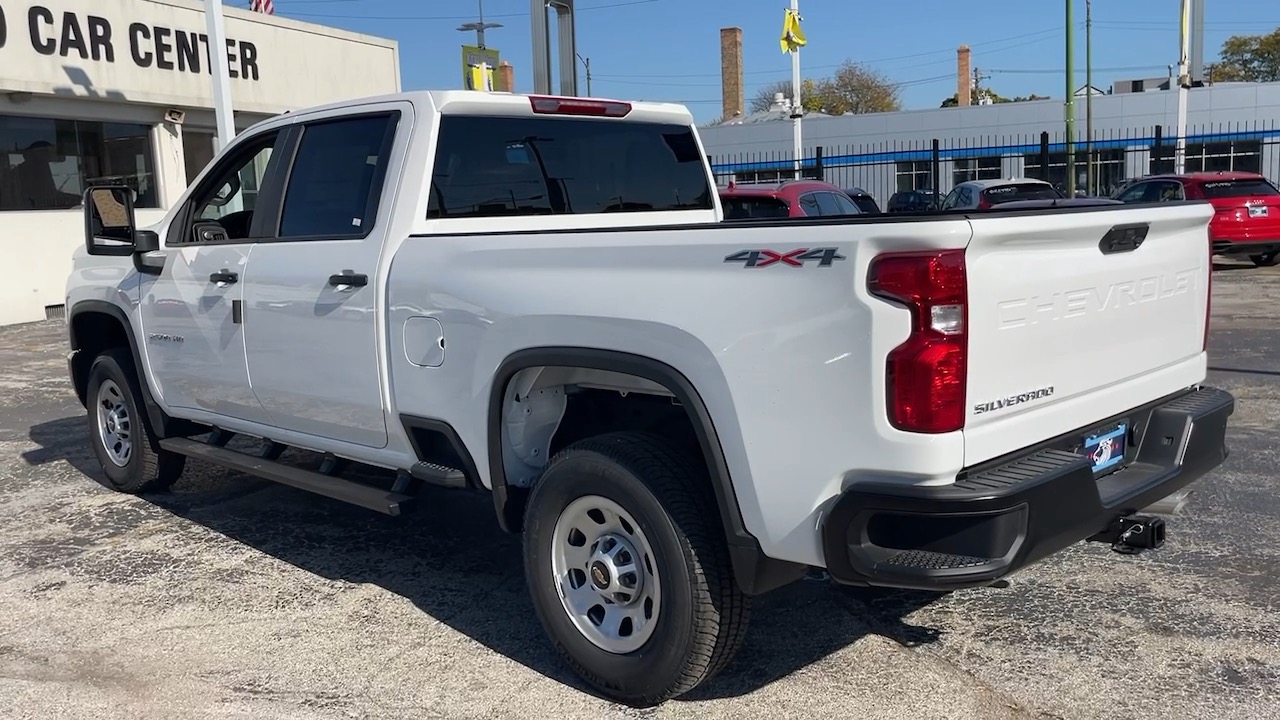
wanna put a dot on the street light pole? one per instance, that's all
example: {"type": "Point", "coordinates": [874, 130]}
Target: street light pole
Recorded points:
{"type": "Point", "coordinates": [223, 114]}
{"type": "Point", "coordinates": [1071, 106]}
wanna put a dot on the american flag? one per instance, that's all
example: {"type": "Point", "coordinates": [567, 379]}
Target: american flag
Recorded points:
{"type": "Point", "coordinates": [262, 6]}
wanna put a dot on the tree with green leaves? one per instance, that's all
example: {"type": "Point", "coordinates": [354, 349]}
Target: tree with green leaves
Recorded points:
{"type": "Point", "coordinates": [851, 89]}
{"type": "Point", "coordinates": [1248, 58]}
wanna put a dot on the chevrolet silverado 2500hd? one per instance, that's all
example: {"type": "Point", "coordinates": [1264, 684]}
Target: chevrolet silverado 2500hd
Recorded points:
{"type": "Point", "coordinates": [535, 298]}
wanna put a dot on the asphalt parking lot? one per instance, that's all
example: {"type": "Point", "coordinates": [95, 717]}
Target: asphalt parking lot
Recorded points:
{"type": "Point", "coordinates": [232, 597]}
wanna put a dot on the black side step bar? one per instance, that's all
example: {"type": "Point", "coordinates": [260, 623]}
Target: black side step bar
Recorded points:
{"type": "Point", "coordinates": [365, 496]}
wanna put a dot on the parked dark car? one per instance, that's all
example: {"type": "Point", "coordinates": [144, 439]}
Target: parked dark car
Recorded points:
{"type": "Point", "coordinates": [863, 200]}
{"type": "Point", "coordinates": [914, 201]}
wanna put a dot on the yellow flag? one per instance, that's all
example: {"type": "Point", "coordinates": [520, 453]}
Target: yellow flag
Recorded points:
{"type": "Point", "coordinates": [792, 35]}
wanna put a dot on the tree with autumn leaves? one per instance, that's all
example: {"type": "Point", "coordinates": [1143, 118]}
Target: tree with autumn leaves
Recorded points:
{"type": "Point", "coordinates": [851, 89]}
{"type": "Point", "coordinates": [1248, 58]}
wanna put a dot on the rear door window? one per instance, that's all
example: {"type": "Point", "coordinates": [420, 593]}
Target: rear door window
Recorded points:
{"type": "Point", "coordinates": [1237, 188]}
{"type": "Point", "coordinates": [337, 177]}
{"type": "Point", "coordinates": [489, 166]}
{"type": "Point", "coordinates": [1019, 191]}
{"type": "Point", "coordinates": [745, 208]}
{"type": "Point", "coordinates": [844, 206]}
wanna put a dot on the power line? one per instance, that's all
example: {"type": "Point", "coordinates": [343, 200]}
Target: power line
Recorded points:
{"type": "Point", "coordinates": [1046, 32]}
{"type": "Point", "coordinates": [606, 6]}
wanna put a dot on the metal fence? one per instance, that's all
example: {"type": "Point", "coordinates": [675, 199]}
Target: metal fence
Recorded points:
{"type": "Point", "coordinates": [883, 169]}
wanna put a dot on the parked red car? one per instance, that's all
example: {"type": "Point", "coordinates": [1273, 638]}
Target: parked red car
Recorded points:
{"type": "Point", "coordinates": [789, 198]}
{"type": "Point", "coordinates": [1247, 221]}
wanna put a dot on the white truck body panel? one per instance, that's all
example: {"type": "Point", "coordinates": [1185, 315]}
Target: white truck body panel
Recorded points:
{"type": "Point", "coordinates": [790, 362]}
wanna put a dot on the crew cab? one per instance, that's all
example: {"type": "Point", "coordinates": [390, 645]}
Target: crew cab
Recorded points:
{"type": "Point", "coordinates": [1246, 218]}
{"type": "Point", "coordinates": [537, 299]}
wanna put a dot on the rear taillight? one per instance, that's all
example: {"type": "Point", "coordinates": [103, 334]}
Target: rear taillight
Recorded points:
{"type": "Point", "coordinates": [983, 204]}
{"type": "Point", "coordinates": [926, 375]}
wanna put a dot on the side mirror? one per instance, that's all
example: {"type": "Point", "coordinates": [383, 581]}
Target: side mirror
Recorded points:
{"type": "Point", "coordinates": [109, 224]}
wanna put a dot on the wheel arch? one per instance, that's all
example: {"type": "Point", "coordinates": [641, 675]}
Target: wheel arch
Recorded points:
{"type": "Point", "coordinates": [756, 573]}
{"type": "Point", "coordinates": [97, 325]}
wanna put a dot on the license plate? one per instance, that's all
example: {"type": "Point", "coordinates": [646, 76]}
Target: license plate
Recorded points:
{"type": "Point", "coordinates": [1106, 449]}
{"type": "Point", "coordinates": [1257, 211]}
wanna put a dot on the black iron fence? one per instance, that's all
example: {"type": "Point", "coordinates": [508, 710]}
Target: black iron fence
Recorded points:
{"type": "Point", "coordinates": [1101, 165]}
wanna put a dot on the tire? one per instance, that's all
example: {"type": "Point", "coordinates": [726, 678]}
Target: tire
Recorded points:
{"type": "Point", "coordinates": [119, 431]}
{"type": "Point", "coordinates": [1270, 259]}
{"type": "Point", "coordinates": [698, 617]}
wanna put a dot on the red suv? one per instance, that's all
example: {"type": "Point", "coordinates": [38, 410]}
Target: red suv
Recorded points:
{"type": "Point", "coordinates": [789, 198]}
{"type": "Point", "coordinates": [1247, 221]}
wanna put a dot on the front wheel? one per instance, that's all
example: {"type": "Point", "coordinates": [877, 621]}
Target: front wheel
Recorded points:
{"type": "Point", "coordinates": [1270, 259]}
{"type": "Point", "coordinates": [628, 568]}
{"type": "Point", "coordinates": [120, 434]}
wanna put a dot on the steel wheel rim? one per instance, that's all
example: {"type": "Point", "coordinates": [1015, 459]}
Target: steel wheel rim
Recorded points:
{"type": "Point", "coordinates": [115, 423]}
{"type": "Point", "coordinates": [605, 574]}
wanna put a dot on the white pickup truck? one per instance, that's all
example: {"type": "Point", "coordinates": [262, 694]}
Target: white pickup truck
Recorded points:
{"type": "Point", "coordinates": [537, 298]}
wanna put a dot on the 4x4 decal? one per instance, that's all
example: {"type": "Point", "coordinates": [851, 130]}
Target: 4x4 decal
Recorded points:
{"type": "Point", "coordinates": [794, 258]}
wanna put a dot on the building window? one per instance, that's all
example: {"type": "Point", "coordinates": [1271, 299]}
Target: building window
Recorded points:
{"type": "Point", "coordinates": [1108, 170]}
{"type": "Point", "coordinates": [914, 175]}
{"type": "Point", "coordinates": [981, 168]}
{"type": "Point", "coordinates": [197, 152]}
{"type": "Point", "coordinates": [46, 164]}
{"type": "Point", "coordinates": [1237, 155]}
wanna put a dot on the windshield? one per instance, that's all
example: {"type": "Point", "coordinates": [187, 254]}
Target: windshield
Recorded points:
{"type": "Point", "coordinates": [1019, 191]}
{"type": "Point", "coordinates": [1238, 188]}
{"type": "Point", "coordinates": [744, 208]}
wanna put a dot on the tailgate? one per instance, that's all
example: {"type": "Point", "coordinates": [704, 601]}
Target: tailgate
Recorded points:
{"type": "Point", "coordinates": [1063, 335]}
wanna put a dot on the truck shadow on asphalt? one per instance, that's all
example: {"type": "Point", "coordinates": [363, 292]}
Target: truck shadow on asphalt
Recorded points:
{"type": "Point", "coordinates": [448, 557]}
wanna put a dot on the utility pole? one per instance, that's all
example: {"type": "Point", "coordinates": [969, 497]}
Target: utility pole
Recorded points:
{"type": "Point", "coordinates": [797, 109]}
{"type": "Point", "coordinates": [1088, 98]}
{"type": "Point", "coordinates": [975, 94]}
{"type": "Point", "coordinates": [479, 27]}
{"type": "Point", "coordinates": [1184, 83]}
{"type": "Point", "coordinates": [587, 62]}
{"type": "Point", "coordinates": [225, 119]}
{"type": "Point", "coordinates": [1071, 105]}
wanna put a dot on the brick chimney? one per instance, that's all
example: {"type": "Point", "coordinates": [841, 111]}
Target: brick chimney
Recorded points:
{"type": "Point", "coordinates": [733, 101]}
{"type": "Point", "coordinates": [964, 90]}
{"type": "Point", "coordinates": [506, 77]}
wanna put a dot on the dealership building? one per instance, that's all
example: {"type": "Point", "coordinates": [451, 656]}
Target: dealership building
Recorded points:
{"type": "Point", "coordinates": [1230, 126]}
{"type": "Point", "coordinates": [95, 91]}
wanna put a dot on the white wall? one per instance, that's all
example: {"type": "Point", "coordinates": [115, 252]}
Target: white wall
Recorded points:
{"type": "Point", "coordinates": [40, 244]}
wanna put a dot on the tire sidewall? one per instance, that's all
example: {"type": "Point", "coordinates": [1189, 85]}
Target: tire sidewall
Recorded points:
{"type": "Point", "coordinates": [108, 367]}
{"type": "Point", "coordinates": [655, 666]}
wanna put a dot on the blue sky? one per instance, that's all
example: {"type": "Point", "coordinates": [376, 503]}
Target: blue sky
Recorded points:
{"type": "Point", "coordinates": [669, 49]}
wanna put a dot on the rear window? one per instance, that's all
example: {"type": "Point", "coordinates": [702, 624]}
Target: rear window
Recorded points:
{"type": "Point", "coordinates": [745, 208]}
{"type": "Point", "coordinates": [1237, 188]}
{"type": "Point", "coordinates": [865, 203]}
{"type": "Point", "coordinates": [504, 166]}
{"type": "Point", "coordinates": [1019, 191]}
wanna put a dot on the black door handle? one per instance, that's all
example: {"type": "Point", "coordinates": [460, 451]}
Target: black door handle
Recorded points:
{"type": "Point", "coordinates": [346, 277]}
{"type": "Point", "coordinates": [224, 277]}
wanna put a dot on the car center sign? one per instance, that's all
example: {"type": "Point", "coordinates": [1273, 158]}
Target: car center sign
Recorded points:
{"type": "Point", "coordinates": [158, 51]}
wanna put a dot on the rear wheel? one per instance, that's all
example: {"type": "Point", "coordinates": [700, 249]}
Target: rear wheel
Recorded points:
{"type": "Point", "coordinates": [628, 568]}
{"type": "Point", "coordinates": [121, 437]}
{"type": "Point", "coordinates": [1270, 259]}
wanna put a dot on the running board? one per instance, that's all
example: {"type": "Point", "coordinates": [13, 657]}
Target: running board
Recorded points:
{"type": "Point", "coordinates": [354, 493]}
